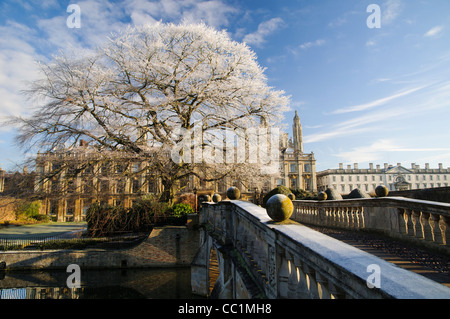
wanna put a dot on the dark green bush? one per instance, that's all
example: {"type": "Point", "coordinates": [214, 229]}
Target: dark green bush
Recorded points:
{"type": "Point", "coordinates": [180, 210]}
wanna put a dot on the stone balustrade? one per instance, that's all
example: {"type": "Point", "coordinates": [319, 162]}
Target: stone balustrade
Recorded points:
{"type": "Point", "coordinates": [418, 220]}
{"type": "Point", "coordinates": [290, 260]}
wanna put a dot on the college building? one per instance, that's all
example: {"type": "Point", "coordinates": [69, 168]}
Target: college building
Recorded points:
{"type": "Point", "coordinates": [70, 180]}
{"type": "Point", "coordinates": [396, 178]}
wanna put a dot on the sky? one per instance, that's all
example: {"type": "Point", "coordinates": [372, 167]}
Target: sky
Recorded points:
{"type": "Point", "coordinates": [370, 85]}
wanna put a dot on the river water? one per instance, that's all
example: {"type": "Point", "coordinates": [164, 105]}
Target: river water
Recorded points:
{"type": "Point", "coordinates": [159, 283]}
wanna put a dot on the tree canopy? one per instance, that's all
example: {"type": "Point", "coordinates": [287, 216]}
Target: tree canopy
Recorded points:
{"type": "Point", "coordinates": [132, 96]}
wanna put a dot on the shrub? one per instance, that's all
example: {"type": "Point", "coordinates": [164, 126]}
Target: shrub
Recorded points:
{"type": "Point", "coordinates": [181, 210]}
{"type": "Point", "coordinates": [332, 194]}
{"type": "Point", "coordinates": [29, 209]}
{"type": "Point", "coordinates": [303, 194]}
{"type": "Point", "coordinates": [187, 198]}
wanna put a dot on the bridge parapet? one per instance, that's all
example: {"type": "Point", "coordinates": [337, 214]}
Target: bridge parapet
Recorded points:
{"type": "Point", "coordinates": [289, 260]}
{"type": "Point", "coordinates": [418, 220]}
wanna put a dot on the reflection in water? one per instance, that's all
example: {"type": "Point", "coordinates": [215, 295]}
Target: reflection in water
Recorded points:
{"type": "Point", "coordinates": [172, 283]}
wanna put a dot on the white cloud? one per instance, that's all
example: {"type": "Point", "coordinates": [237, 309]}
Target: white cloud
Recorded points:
{"type": "Point", "coordinates": [17, 65]}
{"type": "Point", "coordinates": [378, 150]}
{"type": "Point", "coordinates": [265, 29]}
{"type": "Point", "coordinates": [211, 12]}
{"type": "Point", "coordinates": [372, 104]}
{"type": "Point", "coordinates": [307, 45]}
{"type": "Point", "coordinates": [390, 11]}
{"type": "Point", "coordinates": [434, 31]}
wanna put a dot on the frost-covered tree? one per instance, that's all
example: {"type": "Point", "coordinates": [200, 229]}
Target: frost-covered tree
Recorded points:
{"type": "Point", "coordinates": [134, 95]}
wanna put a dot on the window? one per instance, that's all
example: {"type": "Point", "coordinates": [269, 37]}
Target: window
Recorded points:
{"type": "Point", "coordinates": [293, 183]}
{"type": "Point", "coordinates": [136, 186]}
{"type": "Point", "coordinates": [293, 168]}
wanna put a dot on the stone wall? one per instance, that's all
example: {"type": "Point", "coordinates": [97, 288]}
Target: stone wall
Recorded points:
{"type": "Point", "coordinates": [169, 246]}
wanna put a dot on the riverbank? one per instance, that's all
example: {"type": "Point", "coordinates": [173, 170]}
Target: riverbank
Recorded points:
{"type": "Point", "coordinates": [168, 246]}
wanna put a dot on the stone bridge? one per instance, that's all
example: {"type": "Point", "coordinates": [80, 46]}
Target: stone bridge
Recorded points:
{"type": "Point", "coordinates": [244, 254]}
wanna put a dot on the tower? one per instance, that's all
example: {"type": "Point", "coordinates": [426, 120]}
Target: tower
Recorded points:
{"type": "Point", "coordinates": [297, 132]}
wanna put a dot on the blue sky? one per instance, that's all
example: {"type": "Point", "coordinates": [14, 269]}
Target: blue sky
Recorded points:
{"type": "Point", "coordinates": [364, 95]}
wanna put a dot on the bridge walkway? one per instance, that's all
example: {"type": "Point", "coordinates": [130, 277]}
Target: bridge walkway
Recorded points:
{"type": "Point", "coordinates": [431, 264]}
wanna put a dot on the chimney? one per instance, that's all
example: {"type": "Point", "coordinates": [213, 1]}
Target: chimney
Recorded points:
{"type": "Point", "coordinates": [341, 166]}
{"type": "Point", "coordinates": [440, 166]}
{"type": "Point", "coordinates": [413, 165]}
{"type": "Point", "coordinates": [399, 164]}
{"type": "Point", "coordinates": [349, 167]}
{"type": "Point", "coordinates": [370, 165]}
{"type": "Point", "coordinates": [427, 165]}
{"type": "Point", "coordinates": [355, 165]}
{"type": "Point", "coordinates": [378, 166]}
{"type": "Point", "coordinates": [386, 165]}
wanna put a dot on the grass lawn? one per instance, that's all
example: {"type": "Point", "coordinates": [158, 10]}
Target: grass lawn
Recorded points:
{"type": "Point", "coordinates": [46, 229]}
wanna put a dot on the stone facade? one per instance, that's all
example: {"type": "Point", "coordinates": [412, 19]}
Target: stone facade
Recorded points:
{"type": "Point", "coordinates": [396, 178]}
{"type": "Point", "coordinates": [79, 178]}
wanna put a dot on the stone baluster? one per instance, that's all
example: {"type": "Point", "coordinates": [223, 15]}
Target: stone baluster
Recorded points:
{"type": "Point", "coordinates": [437, 232]}
{"type": "Point", "coordinates": [427, 231]}
{"type": "Point", "coordinates": [293, 280]}
{"type": "Point", "coordinates": [417, 224]}
{"type": "Point", "coordinates": [316, 215]}
{"type": "Point", "coordinates": [409, 223]}
{"type": "Point", "coordinates": [301, 291]}
{"type": "Point", "coordinates": [346, 218]}
{"type": "Point", "coordinates": [335, 291]}
{"type": "Point", "coordinates": [311, 281]}
{"type": "Point", "coordinates": [338, 215]}
{"type": "Point", "coordinates": [351, 219]}
{"type": "Point", "coordinates": [283, 276]}
{"type": "Point", "coordinates": [322, 286]}
{"type": "Point", "coordinates": [359, 220]}
{"type": "Point", "coordinates": [332, 216]}
{"type": "Point", "coordinates": [447, 230]}
{"type": "Point", "coordinates": [402, 229]}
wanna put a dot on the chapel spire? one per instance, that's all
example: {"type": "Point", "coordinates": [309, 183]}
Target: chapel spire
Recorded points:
{"type": "Point", "coordinates": [297, 132]}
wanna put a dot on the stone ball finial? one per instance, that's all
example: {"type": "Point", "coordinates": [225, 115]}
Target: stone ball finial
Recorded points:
{"type": "Point", "coordinates": [381, 191]}
{"type": "Point", "coordinates": [279, 207]}
{"type": "Point", "coordinates": [216, 198]}
{"type": "Point", "coordinates": [233, 193]}
{"type": "Point", "coordinates": [322, 196]}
